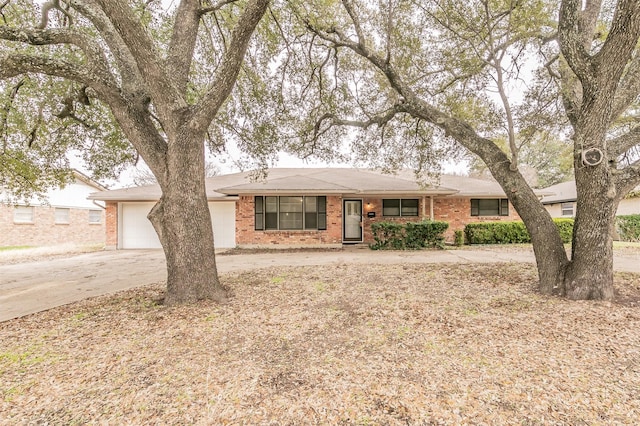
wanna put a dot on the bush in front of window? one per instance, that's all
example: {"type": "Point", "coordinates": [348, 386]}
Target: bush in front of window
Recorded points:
{"type": "Point", "coordinates": [628, 227]}
{"type": "Point", "coordinates": [510, 232]}
{"type": "Point", "coordinates": [408, 236]}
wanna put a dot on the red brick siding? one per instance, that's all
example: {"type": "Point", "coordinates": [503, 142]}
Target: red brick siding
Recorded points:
{"type": "Point", "coordinates": [44, 231]}
{"type": "Point", "coordinates": [375, 205]}
{"type": "Point", "coordinates": [111, 227]}
{"type": "Point", "coordinates": [247, 235]}
{"type": "Point", "coordinates": [457, 211]}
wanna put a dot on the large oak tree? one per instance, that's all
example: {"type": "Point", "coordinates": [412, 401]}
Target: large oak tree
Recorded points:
{"type": "Point", "coordinates": [162, 76]}
{"type": "Point", "coordinates": [411, 74]}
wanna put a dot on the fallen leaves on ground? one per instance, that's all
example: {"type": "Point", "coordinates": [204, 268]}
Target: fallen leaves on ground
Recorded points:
{"type": "Point", "coordinates": [342, 344]}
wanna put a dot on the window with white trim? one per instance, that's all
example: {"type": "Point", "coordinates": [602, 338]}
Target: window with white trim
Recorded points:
{"type": "Point", "coordinates": [95, 216]}
{"type": "Point", "coordinates": [489, 207]}
{"type": "Point", "coordinates": [62, 215]}
{"type": "Point", "coordinates": [400, 207]}
{"type": "Point", "coordinates": [23, 214]}
{"type": "Point", "coordinates": [567, 209]}
{"type": "Point", "coordinates": [290, 212]}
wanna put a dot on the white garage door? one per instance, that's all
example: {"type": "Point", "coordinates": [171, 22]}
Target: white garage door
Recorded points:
{"type": "Point", "coordinates": [137, 231]}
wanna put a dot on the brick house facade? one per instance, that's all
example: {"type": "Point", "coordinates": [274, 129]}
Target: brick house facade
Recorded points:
{"type": "Point", "coordinates": [455, 211]}
{"type": "Point", "coordinates": [67, 217]}
{"type": "Point", "coordinates": [46, 228]}
{"type": "Point", "coordinates": [313, 207]}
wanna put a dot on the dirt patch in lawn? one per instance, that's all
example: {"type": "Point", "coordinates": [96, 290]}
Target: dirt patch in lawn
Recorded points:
{"type": "Point", "coordinates": [347, 344]}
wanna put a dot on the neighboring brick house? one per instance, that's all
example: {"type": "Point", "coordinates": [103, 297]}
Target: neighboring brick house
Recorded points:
{"type": "Point", "coordinates": [66, 216]}
{"type": "Point", "coordinates": [311, 207]}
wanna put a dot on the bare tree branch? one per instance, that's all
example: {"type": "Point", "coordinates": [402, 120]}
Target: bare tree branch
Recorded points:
{"type": "Point", "coordinates": [215, 7]}
{"type": "Point", "coordinates": [46, 8]}
{"type": "Point", "coordinates": [228, 71]}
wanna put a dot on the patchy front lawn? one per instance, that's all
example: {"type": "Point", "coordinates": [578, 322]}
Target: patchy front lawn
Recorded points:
{"type": "Point", "coordinates": [353, 344]}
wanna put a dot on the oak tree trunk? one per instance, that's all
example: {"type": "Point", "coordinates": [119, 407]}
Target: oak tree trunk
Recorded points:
{"type": "Point", "coordinates": [590, 274]}
{"type": "Point", "coordinates": [183, 223]}
{"type": "Point", "coordinates": [551, 257]}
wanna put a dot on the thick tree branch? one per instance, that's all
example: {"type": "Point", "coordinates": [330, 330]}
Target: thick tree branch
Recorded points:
{"type": "Point", "coordinates": [144, 52]}
{"type": "Point", "coordinates": [571, 40]}
{"type": "Point", "coordinates": [93, 54]}
{"type": "Point", "coordinates": [628, 89]}
{"type": "Point", "coordinates": [227, 73]}
{"type": "Point", "coordinates": [355, 19]}
{"type": "Point", "coordinates": [621, 41]}
{"type": "Point", "coordinates": [183, 41]}
{"type": "Point", "coordinates": [588, 22]}
{"type": "Point", "coordinates": [628, 179]}
{"type": "Point", "coordinates": [131, 79]}
{"type": "Point", "coordinates": [47, 7]}
{"type": "Point", "coordinates": [623, 143]}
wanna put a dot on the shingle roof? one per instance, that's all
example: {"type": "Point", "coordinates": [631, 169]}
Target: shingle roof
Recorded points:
{"type": "Point", "coordinates": [565, 191]}
{"type": "Point", "coordinates": [350, 181]}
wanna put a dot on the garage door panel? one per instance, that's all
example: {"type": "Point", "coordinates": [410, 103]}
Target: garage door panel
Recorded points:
{"type": "Point", "coordinates": [138, 233]}
{"type": "Point", "coordinates": [137, 230]}
{"type": "Point", "coordinates": [223, 219]}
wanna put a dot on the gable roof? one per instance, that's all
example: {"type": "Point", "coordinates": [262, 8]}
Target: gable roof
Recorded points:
{"type": "Point", "coordinates": [561, 192]}
{"type": "Point", "coordinates": [334, 181]}
{"type": "Point", "coordinates": [294, 181]}
{"type": "Point", "coordinates": [88, 180]}
{"type": "Point", "coordinates": [564, 192]}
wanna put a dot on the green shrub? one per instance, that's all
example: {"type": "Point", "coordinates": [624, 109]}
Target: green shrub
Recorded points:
{"type": "Point", "coordinates": [510, 232]}
{"type": "Point", "coordinates": [629, 227]}
{"type": "Point", "coordinates": [409, 236]}
{"type": "Point", "coordinates": [565, 227]}
{"type": "Point", "coordinates": [459, 238]}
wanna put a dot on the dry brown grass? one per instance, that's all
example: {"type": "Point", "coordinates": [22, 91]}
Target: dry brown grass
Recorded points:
{"type": "Point", "coordinates": [353, 344]}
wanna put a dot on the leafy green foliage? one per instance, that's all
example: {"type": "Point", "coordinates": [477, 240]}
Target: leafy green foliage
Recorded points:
{"type": "Point", "coordinates": [408, 236]}
{"type": "Point", "coordinates": [459, 238]}
{"type": "Point", "coordinates": [628, 227]}
{"type": "Point", "coordinates": [510, 232]}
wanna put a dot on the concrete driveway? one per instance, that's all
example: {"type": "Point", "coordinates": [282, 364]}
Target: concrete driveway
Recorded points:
{"type": "Point", "coordinates": [38, 285]}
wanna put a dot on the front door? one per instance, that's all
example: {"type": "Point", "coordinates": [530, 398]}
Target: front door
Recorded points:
{"type": "Point", "coordinates": [352, 220]}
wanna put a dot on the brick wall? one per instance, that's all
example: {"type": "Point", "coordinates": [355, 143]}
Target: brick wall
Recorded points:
{"type": "Point", "coordinates": [457, 211]}
{"type": "Point", "coordinates": [375, 205]}
{"type": "Point", "coordinates": [44, 231]}
{"type": "Point", "coordinates": [111, 227]}
{"type": "Point", "coordinates": [246, 235]}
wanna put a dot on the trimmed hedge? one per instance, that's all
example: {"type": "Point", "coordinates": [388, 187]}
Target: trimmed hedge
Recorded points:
{"type": "Point", "coordinates": [510, 232]}
{"type": "Point", "coordinates": [407, 236]}
{"type": "Point", "coordinates": [628, 227]}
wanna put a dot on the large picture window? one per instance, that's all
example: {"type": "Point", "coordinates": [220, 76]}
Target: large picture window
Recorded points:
{"type": "Point", "coordinates": [290, 213]}
{"type": "Point", "coordinates": [400, 207]}
{"type": "Point", "coordinates": [490, 207]}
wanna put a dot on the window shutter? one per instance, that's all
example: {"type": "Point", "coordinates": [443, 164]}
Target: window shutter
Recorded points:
{"type": "Point", "coordinates": [504, 207]}
{"type": "Point", "coordinates": [475, 207]}
{"type": "Point", "coordinates": [322, 213]}
{"type": "Point", "coordinates": [259, 213]}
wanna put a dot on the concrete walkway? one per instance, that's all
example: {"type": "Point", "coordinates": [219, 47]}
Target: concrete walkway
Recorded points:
{"type": "Point", "coordinates": [38, 285]}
